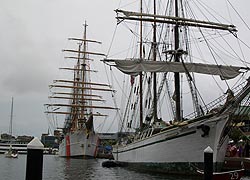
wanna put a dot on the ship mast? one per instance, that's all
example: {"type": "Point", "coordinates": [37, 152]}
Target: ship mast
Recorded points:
{"type": "Point", "coordinates": [176, 74]}
{"type": "Point", "coordinates": [11, 117]}
{"type": "Point", "coordinates": [130, 67]}
{"type": "Point", "coordinates": [83, 65]}
{"type": "Point", "coordinates": [154, 59]}
{"type": "Point", "coordinates": [81, 102]}
{"type": "Point", "coordinates": [141, 56]}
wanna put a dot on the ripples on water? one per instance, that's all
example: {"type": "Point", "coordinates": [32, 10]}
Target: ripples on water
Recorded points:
{"type": "Point", "coordinates": [70, 169]}
{"type": "Point", "coordinates": [55, 168]}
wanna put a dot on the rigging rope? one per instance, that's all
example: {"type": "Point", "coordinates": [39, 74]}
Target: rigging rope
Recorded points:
{"type": "Point", "coordinates": [238, 14]}
{"type": "Point", "coordinates": [209, 47]}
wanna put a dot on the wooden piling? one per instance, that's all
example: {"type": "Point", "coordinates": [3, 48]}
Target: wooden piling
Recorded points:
{"type": "Point", "coordinates": [34, 165]}
{"type": "Point", "coordinates": [208, 163]}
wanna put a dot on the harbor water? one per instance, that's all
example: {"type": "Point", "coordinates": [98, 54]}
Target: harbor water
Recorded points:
{"type": "Point", "coordinates": [56, 168]}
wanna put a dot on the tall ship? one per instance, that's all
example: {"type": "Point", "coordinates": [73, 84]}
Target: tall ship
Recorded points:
{"type": "Point", "coordinates": [172, 113]}
{"type": "Point", "coordinates": [80, 100]}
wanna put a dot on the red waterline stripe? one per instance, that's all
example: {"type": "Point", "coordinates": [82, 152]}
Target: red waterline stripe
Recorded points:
{"type": "Point", "coordinates": [97, 144]}
{"type": "Point", "coordinates": [67, 146]}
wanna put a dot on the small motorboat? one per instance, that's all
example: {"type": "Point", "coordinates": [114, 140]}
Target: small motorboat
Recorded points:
{"type": "Point", "coordinates": [227, 175]}
{"type": "Point", "coordinates": [11, 153]}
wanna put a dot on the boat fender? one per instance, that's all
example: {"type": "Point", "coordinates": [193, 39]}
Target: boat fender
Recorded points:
{"type": "Point", "coordinates": [205, 129]}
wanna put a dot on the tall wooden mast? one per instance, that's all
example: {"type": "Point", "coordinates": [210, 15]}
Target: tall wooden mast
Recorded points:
{"type": "Point", "coordinates": [83, 65]}
{"type": "Point", "coordinates": [177, 75]}
{"type": "Point", "coordinates": [141, 57]}
{"type": "Point", "coordinates": [154, 59]}
{"type": "Point", "coordinates": [81, 102]}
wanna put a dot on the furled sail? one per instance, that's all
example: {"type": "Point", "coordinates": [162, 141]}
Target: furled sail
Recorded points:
{"type": "Point", "coordinates": [137, 66]}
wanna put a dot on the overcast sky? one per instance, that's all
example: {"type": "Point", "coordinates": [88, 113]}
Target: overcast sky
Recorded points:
{"type": "Point", "coordinates": [32, 35]}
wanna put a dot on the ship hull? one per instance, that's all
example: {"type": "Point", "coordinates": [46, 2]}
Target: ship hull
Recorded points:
{"type": "Point", "coordinates": [79, 144]}
{"type": "Point", "coordinates": [177, 150]}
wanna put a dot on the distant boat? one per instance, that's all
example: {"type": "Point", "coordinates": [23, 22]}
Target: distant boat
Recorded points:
{"type": "Point", "coordinates": [171, 123]}
{"type": "Point", "coordinates": [79, 138]}
{"type": "Point", "coordinates": [20, 147]}
{"type": "Point", "coordinates": [11, 153]}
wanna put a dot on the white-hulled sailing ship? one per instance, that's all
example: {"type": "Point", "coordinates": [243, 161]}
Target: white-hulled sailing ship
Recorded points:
{"type": "Point", "coordinates": [84, 102]}
{"type": "Point", "coordinates": [172, 140]}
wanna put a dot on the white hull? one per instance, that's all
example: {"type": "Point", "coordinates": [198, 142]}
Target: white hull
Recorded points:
{"type": "Point", "coordinates": [79, 144]}
{"type": "Point", "coordinates": [10, 154]}
{"type": "Point", "coordinates": [178, 145]}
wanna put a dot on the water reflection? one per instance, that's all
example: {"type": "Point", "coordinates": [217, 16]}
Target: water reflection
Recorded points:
{"type": "Point", "coordinates": [58, 168]}
{"type": "Point", "coordinates": [70, 169]}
